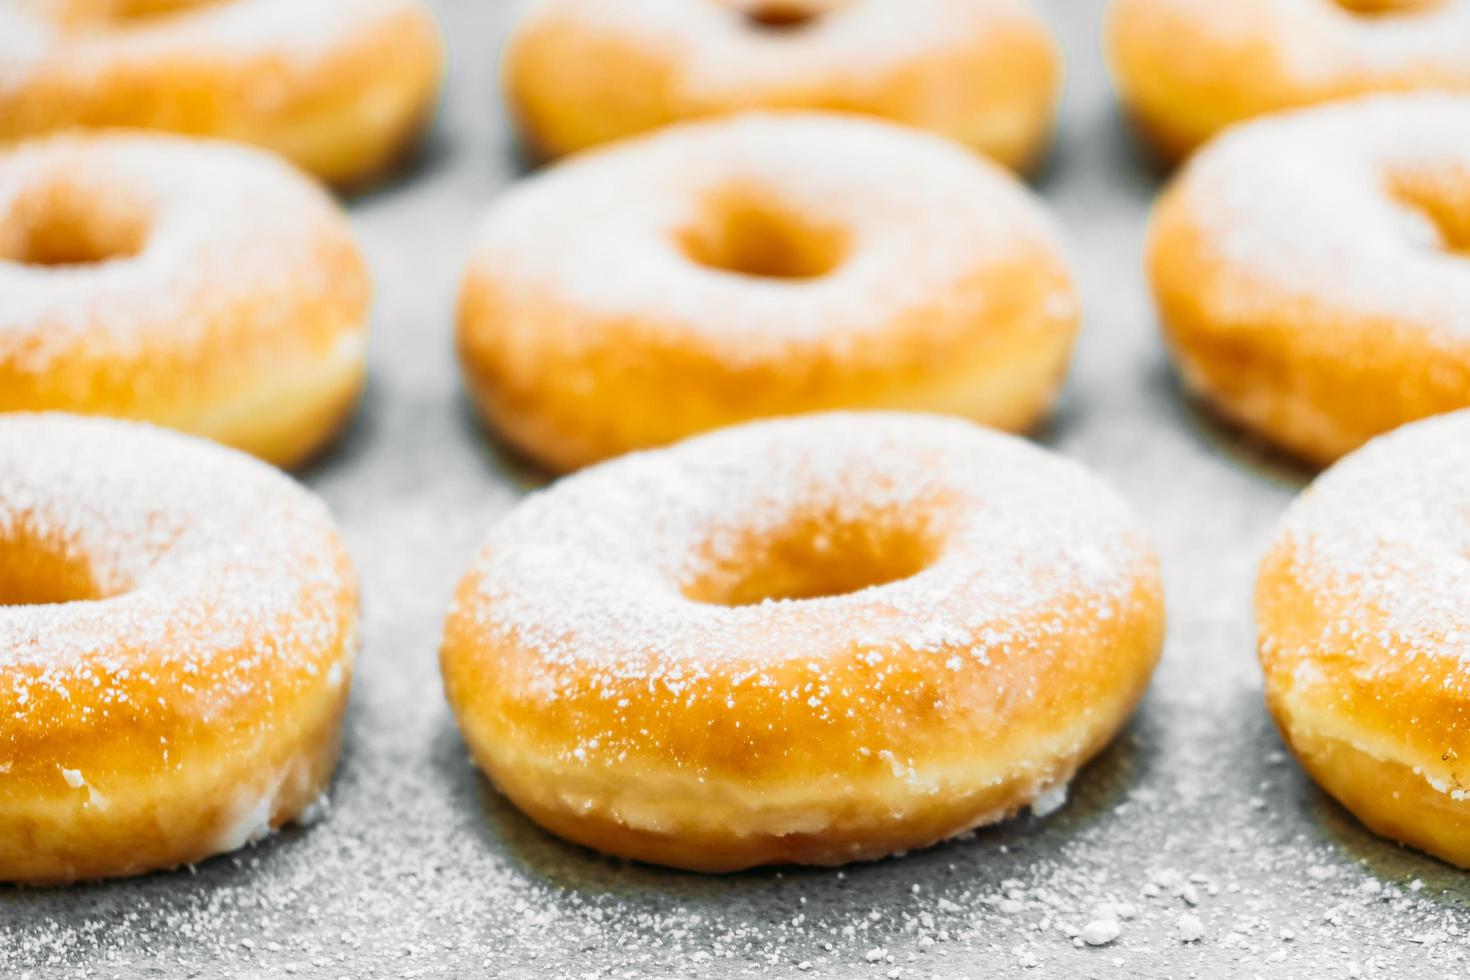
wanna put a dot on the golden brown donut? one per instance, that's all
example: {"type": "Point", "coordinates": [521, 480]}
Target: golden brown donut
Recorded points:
{"type": "Point", "coordinates": [811, 640]}
{"type": "Point", "coordinates": [1364, 632]}
{"type": "Point", "coordinates": [340, 87]}
{"type": "Point", "coordinates": [1188, 68]}
{"type": "Point", "coordinates": [758, 265]}
{"type": "Point", "coordinates": [177, 629]}
{"type": "Point", "coordinates": [1311, 270]}
{"type": "Point", "coordinates": [984, 72]}
{"type": "Point", "coordinates": [200, 285]}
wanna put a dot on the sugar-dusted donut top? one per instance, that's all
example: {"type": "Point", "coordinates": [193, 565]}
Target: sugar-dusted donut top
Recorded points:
{"type": "Point", "coordinates": [99, 35]}
{"type": "Point", "coordinates": [592, 574]}
{"type": "Point", "coordinates": [215, 581]}
{"type": "Point", "coordinates": [236, 248]}
{"type": "Point", "coordinates": [1385, 536]}
{"type": "Point", "coordinates": [1341, 208]}
{"type": "Point", "coordinates": [601, 233]}
{"type": "Point", "coordinates": [722, 53]}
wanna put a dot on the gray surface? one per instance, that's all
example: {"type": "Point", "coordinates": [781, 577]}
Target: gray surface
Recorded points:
{"type": "Point", "coordinates": [422, 871]}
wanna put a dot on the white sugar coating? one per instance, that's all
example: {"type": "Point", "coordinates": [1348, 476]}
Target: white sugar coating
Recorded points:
{"type": "Point", "coordinates": [602, 232]}
{"type": "Point", "coordinates": [1389, 526]}
{"type": "Point", "coordinates": [199, 553]}
{"type": "Point", "coordinates": [724, 60]}
{"type": "Point", "coordinates": [590, 572]}
{"type": "Point", "coordinates": [1300, 209]}
{"type": "Point", "coordinates": [227, 228]}
{"type": "Point", "coordinates": [273, 35]}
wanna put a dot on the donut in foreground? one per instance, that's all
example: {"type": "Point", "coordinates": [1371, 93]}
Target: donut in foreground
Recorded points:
{"type": "Point", "coordinates": [200, 285]}
{"type": "Point", "coordinates": [811, 640]}
{"type": "Point", "coordinates": [1311, 273]}
{"type": "Point", "coordinates": [1364, 634]}
{"type": "Point", "coordinates": [1187, 69]}
{"type": "Point", "coordinates": [340, 87]}
{"type": "Point", "coordinates": [177, 629]}
{"type": "Point", "coordinates": [761, 265]}
{"type": "Point", "coordinates": [983, 72]}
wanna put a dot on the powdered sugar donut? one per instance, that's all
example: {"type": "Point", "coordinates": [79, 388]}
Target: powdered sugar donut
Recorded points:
{"type": "Point", "coordinates": [1310, 270]}
{"type": "Point", "coordinates": [811, 640]}
{"type": "Point", "coordinates": [1189, 68]}
{"type": "Point", "coordinates": [177, 629]}
{"type": "Point", "coordinates": [341, 87]}
{"type": "Point", "coordinates": [200, 285]}
{"type": "Point", "coordinates": [1365, 634]}
{"type": "Point", "coordinates": [984, 72]}
{"type": "Point", "coordinates": [761, 265]}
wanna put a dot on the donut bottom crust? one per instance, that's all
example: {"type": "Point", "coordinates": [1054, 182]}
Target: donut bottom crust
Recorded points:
{"type": "Point", "coordinates": [723, 835]}
{"type": "Point", "coordinates": [283, 413]}
{"type": "Point", "coordinates": [728, 827]}
{"type": "Point", "coordinates": [1386, 795]}
{"type": "Point", "coordinates": [651, 811]}
{"type": "Point", "coordinates": [1277, 380]}
{"type": "Point", "coordinates": [166, 819]}
{"type": "Point", "coordinates": [357, 141]}
{"type": "Point", "coordinates": [1009, 386]}
{"type": "Point", "coordinates": [294, 414]}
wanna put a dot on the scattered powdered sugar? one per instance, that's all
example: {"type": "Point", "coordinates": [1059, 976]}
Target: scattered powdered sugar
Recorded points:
{"type": "Point", "coordinates": [1050, 801]}
{"type": "Point", "coordinates": [215, 577]}
{"type": "Point", "coordinates": [602, 233]}
{"type": "Point", "coordinates": [1302, 210]}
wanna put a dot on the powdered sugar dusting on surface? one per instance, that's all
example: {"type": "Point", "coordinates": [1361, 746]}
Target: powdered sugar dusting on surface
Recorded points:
{"type": "Point", "coordinates": [1300, 206]}
{"type": "Point", "coordinates": [601, 232]}
{"type": "Point", "coordinates": [1388, 529]}
{"type": "Point", "coordinates": [208, 563]}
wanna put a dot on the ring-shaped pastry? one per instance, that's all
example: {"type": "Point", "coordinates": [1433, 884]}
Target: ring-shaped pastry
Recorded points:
{"type": "Point", "coordinates": [811, 640]}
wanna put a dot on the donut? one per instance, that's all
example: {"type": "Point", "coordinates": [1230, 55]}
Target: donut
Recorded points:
{"type": "Point", "coordinates": [340, 87]}
{"type": "Point", "coordinates": [1310, 270]}
{"type": "Point", "coordinates": [1364, 634]}
{"type": "Point", "coordinates": [810, 640]}
{"type": "Point", "coordinates": [758, 265]}
{"type": "Point", "coordinates": [177, 628]}
{"type": "Point", "coordinates": [200, 285]}
{"type": "Point", "coordinates": [987, 73]}
{"type": "Point", "coordinates": [1186, 69]}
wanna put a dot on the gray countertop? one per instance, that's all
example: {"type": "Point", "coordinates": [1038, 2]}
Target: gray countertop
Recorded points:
{"type": "Point", "coordinates": [421, 870]}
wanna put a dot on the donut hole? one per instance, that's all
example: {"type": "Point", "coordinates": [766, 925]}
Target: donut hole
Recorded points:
{"type": "Point", "coordinates": [780, 17]}
{"type": "Point", "coordinates": [815, 557]}
{"type": "Point", "coordinates": [63, 223]}
{"type": "Point", "coordinates": [39, 570]}
{"type": "Point", "coordinates": [752, 235]}
{"type": "Point", "coordinates": [1443, 201]}
{"type": "Point", "coordinates": [1385, 8]}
